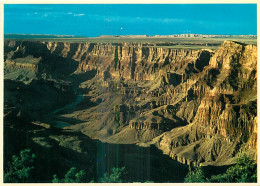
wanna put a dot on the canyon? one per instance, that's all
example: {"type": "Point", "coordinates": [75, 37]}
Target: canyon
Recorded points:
{"type": "Point", "coordinates": [188, 105]}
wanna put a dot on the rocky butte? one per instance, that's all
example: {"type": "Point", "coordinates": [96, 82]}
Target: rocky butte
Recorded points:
{"type": "Point", "coordinates": [194, 105]}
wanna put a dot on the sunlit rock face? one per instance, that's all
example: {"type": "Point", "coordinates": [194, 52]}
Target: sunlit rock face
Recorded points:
{"type": "Point", "coordinates": [195, 105]}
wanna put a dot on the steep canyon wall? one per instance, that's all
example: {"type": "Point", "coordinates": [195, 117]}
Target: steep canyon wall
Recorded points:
{"type": "Point", "coordinates": [195, 105]}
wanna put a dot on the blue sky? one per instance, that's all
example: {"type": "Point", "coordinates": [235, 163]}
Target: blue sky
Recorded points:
{"type": "Point", "coordinates": [135, 19]}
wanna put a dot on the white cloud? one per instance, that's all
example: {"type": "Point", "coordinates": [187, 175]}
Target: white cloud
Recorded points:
{"type": "Point", "coordinates": [135, 19]}
{"type": "Point", "coordinates": [79, 14]}
{"type": "Point", "coordinates": [53, 14]}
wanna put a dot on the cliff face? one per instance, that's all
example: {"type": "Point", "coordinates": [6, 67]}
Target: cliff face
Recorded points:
{"type": "Point", "coordinates": [26, 61]}
{"type": "Point", "coordinates": [225, 122]}
{"type": "Point", "coordinates": [127, 60]}
{"type": "Point", "coordinates": [194, 105]}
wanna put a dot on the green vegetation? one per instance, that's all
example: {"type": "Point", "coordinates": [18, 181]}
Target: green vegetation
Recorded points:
{"type": "Point", "coordinates": [20, 168]}
{"type": "Point", "coordinates": [72, 176]}
{"type": "Point", "coordinates": [244, 171]}
{"type": "Point", "coordinates": [114, 177]}
{"type": "Point", "coordinates": [195, 175]}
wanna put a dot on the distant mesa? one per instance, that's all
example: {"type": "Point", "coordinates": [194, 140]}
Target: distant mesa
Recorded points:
{"type": "Point", "coordinates": [28, 36]}
{"type": "Point", "coordinates": [176, 36]}
{"type": "Point", "coordinates": [124, 36]}
{"type": "Point", "coordinates": [18, 36]}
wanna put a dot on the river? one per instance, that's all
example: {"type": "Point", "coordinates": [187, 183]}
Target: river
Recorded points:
{"type": "Point", "coordinates": [62, 124]}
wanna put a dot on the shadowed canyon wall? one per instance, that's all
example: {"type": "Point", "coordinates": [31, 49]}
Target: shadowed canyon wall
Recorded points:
{"type": "Point", "coordinates": [195, 105]}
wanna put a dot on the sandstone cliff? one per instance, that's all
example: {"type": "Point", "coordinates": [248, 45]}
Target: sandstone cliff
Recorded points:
{"type": "Point", "coordinates": [225, 121]}
{"type": "Point", "coordinates": [194, 105]}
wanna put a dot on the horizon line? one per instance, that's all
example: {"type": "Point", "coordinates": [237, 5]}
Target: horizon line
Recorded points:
{"type": "Point", "coordinates": [140, 35]}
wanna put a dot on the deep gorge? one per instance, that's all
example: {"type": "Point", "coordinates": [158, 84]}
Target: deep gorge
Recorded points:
{"type": "Point", "coordinates": [177, 106]}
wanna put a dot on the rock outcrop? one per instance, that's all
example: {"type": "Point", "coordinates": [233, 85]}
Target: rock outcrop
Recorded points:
{"type": "Point", "coordinates": [195, 105]}
{"type": "Point", "coordinates": [225, 119]}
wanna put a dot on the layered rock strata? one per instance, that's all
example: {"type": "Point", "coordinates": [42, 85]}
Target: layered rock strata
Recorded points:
{"type": "Point", "coordinates": [195, 105]}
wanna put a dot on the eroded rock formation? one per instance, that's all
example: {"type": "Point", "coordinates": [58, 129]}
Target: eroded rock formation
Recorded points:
{"type": "Point", "coordinates": [195, 105]}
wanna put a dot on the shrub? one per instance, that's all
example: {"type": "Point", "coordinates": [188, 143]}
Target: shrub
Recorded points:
{"type": "Point", "coordinates": [72, 176]}
{"type": "Point", "coordinates": [245, 170]}
{"type": "Point", "coordinates": [19, 169]}
{"type": "Point", "coordinates": [114, 177]}
{"type": "Point", "coordinates": [195, 175]}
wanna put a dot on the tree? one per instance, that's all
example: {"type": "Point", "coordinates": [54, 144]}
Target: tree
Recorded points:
{"type": "Point", "coordinates": [245, 170]}
{"type": "Point", "coordinates": [195, 175]}
{"type": "Point", "coordinates": [20, 168]}
{"type": "Point", "coordinates": [72, 176]}
{"type": "Point", "coordinates": [114, 177]}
